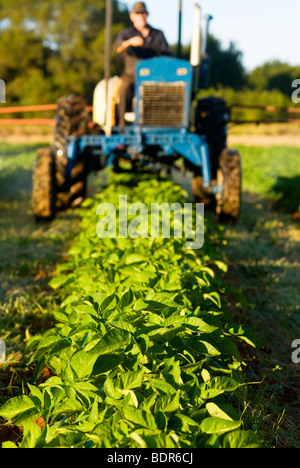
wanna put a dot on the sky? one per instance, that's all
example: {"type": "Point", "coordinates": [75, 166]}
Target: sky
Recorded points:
{"type": "Point", "coordinates": [263, 30]}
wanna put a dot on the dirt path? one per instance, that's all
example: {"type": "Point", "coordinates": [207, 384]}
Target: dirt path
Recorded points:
{"type": "Point", "coordinates": [265, 140]}
{"type": "Point", "coordinates": [263, 254]}
{"type": "Point", "coordinates": [269, 136]}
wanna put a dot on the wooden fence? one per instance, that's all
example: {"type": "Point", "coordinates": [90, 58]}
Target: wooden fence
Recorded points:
{"type": "Point", "coordinates": [26, 121]}
{"type": "Point", "coordinates": [290, 112]}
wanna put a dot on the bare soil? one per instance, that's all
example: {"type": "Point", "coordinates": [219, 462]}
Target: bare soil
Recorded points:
{"type": "Point", "coordinates": [265, 140]}
{"type": "Point", "coordinates": [252, 135]}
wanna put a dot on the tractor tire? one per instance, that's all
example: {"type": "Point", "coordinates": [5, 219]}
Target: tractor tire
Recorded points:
{"type": "Point", "coordinates": [229, 177]}
{"type": "Point", "coordinates": [72, 119]}
{"type": "Point", "coordinates": [43, 185]}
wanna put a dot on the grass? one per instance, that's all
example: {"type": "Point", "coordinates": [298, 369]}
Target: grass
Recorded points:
{"type": "Point", "coordinates": [263, 166]}
{"type": "Point", "coordinates": [263, 253]}
{"type": "Point", "coordinates": [29, 253]}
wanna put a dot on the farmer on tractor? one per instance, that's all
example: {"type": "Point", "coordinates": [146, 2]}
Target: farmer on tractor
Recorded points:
{"type": "Point", "coordinates": [168, 123]}
{"type": "Point", "coordinates": [139, 41]}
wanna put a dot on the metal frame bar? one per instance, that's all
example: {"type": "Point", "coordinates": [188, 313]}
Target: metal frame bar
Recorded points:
{"type": "Point", "coordinates": [191, 146]}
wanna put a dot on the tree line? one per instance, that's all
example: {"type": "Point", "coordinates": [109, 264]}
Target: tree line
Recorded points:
{"type": "Point", "coordinates": [49, 49]}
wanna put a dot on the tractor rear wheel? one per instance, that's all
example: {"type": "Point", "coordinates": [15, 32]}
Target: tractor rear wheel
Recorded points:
{"type": "Point", "coordinates": [43, 185]}
{"type": "Point", "coordinates": [72, 119]}
{"type": "Point", "coordinates": [229, 178]}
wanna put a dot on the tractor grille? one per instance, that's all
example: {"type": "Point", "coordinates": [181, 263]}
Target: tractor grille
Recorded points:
{"type": "Point", "coordinates": [162, 104]}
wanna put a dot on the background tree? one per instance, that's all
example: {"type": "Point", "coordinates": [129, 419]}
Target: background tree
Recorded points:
{"type": "Point", "coordinates": [49, 49]}
{"type": "Point", "coordinates": [274, 75]}
{"type": "Point", "coordinates": [226, 67]}
{"type": "Point", "coordinates": [54, 48]}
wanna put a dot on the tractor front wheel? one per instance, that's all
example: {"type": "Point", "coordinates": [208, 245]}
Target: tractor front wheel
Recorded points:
{"type": "Point", "coordinates": [72, 119]}
{"type": "Point", "coordinates": [43, 185]}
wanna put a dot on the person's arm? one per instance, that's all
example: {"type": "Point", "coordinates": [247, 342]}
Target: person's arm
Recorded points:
{"type": "Point", "coordinates": [136, 41]}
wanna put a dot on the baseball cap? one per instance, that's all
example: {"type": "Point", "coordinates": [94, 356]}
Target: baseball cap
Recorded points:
{"type": "Point", "coordinates": [139, 7]}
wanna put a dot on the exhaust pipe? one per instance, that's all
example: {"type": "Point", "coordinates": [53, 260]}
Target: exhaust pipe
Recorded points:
{"type": "Point", "coordinates": [205, 59]}
{"type": "Point", "coordinates": [107, 59]}
{"type": "Point", "coordinates": [195, 58]}
{"type": "Point", "coordinates": [205, 42]}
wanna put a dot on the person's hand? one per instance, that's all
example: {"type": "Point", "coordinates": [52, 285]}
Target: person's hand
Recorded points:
{"type": "Point", "coordinates": [136, 41]}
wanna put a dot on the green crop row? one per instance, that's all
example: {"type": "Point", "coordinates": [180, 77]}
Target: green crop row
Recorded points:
{"type": "Point", "coordinates": [144, 352]}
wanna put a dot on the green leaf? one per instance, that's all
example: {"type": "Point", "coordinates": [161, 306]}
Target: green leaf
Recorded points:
{"type": "Point", "coordinates": [168, 403]}
{"type": "Point", "coordinates": [138, 440]}
{"type": "Point", "coordinates": [59, 346]}
{"type": "Point", "coordinates": [140, 418]}
{"type": "Point", "coordinates": [214, 297]}
{"type": "Point", "coordinates": [36, 395]}
{"type": "Point", "coordinates": [68, 406]}
{"type": "Point", "coordinates": [218, 386]}
{"type": "Point", "coordinates": [123, 325]}
{"type": "Point", "coordinates": [131, 380]}
{"type": "Point", "coordinates": [16, 406]}
{"type": "Point", "coordinates": [221, 265]}
{"type": "Point", "coordinates": [140, 305]}
{"type": "Point", "coordinates": [242, 439]}
{"type": "Point", "coordinates": [32, 433]}
{"type": "Point", "coordinates": [27, 417]}
{"type": "Point", "coordinates": [111, 391]}
{"type": "Point", "coordinates": [134, 258]}
{"type": "Point", "coordinates": [82, 363]}
{"type": "Point", "coordinates": [114, 340]}
{"type": "Point", "coordinates": [174, 320]}
{"type": "Point", "coordinates": [58, 281]}
{"type": "Point", "coordinates": [126, 299]}
{"type": "Point", "coordinates": [204, 347]}
{"type": "Point", "coordinates": [8, 445]}
{"type": "Point", "coordinates": [106, 302]}
{"type": "Point", "coordinates": [158, 301]}
{"type": "Point", "coordinates": [161, 385]}
{"type": "Point", "coordinates": [182, 423]}
{"type": "Point", "coordinates": [215, 411]}
{"type": "Point", "coordinates": [215, 425]}
{"type": "Point", "coordinates": [200, 325]}
{"type": "Point", "coordinates": [45, 344]}
{"type": "Point", "coordinates": [161, 421]}
{"type": "Point", "coordinates": [106, 363]}
{"type": "Point", "coordinates": [85, 309]}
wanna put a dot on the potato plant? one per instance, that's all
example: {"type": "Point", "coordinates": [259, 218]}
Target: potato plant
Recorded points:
{"type": "Point", "coordinates": [144, 353]}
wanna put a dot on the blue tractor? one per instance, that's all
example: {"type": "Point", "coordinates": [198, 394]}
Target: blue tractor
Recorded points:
{"type": "Point", "coordinates": [168, 125]}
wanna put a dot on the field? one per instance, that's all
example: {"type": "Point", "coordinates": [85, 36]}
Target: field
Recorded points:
{"type": "Point", "coordinates": [260, 289]}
